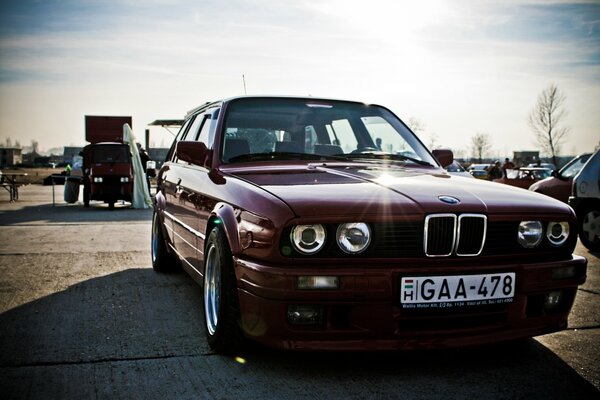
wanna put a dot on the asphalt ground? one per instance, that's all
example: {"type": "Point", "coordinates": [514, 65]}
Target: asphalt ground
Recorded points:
{"type": "Point", "coordinates": [83, 315]}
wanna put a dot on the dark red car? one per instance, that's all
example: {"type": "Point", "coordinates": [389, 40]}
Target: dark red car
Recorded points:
{"type": "Point", "coordinates": [322, 224]}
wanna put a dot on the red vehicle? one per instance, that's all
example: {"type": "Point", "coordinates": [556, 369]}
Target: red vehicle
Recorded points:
{"type": "Point", "coordinates": [108, 171]}
{"type": "Point", "coordinates": [316, 224]}
{"type": "Point", "coordinates": [560, 184]}
{"type": "Point", "coordinates": [524, 177]}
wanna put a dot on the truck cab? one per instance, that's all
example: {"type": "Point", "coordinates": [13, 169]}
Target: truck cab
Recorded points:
{"type": "Point", "coordinates": [108, 170]}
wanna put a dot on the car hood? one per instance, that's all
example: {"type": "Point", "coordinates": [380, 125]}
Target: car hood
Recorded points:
{"type": "Point", "coordinates": [357, 189]}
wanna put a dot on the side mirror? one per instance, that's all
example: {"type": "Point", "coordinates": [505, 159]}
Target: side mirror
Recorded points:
{"type": "Point", "coordinates": [444, 156]}
{"type": "Point", "coordinates": [194, 152]}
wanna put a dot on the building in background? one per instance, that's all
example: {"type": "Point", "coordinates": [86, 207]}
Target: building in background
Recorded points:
{"type": "Point", "coordinates": [10, 156]}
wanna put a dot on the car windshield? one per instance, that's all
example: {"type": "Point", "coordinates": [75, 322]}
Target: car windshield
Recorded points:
{"type": "Point", "coordinates": [276, 129]}
{"type": "Point", "coordinates": [574, 166]}
{"type": "Point", "coordinates": [108, 153]}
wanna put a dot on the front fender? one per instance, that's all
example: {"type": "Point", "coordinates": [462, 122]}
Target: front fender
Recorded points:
{"type": "Point", "coordinates": [225, 215]}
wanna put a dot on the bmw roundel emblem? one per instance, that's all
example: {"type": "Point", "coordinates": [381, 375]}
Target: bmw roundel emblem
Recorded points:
{"type": "Point", "coordinates": [449, 199]}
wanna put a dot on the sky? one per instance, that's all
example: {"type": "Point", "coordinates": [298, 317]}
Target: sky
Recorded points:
{"type": "Point", "coordinates": [458, 67]}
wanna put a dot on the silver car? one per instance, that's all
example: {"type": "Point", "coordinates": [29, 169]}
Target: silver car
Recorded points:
{"type": "Point", "coordinates": [586, 202]}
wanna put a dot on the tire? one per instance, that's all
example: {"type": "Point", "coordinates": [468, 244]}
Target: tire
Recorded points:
{"type": "Point", "coordinates": [162, 260]}
{"type": "Point", "coordinates": [111, 205]}
{"type": "Point", "coordinates": [221, 301]}
{"type": "Point", "coordinates": [589, 228]}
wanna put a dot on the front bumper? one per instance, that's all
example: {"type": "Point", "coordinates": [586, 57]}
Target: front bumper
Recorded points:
{"type": "Point", "coordinates": [365, 312]}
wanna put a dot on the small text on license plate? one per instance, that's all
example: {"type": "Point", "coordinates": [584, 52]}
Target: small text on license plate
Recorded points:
{"type": "Point", "coordinates": [458, 290]}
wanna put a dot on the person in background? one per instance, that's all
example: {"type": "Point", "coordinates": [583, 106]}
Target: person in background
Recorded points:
{"type": "Point", "coordinates": [506, 166]}
{"type": "Point", "coordinates": [495, 171]}
{"type": "Point", "coordinates": [144, 157]}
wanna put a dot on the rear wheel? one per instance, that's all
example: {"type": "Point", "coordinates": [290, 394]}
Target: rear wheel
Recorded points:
{"type": "Point", "coordinates": [162, 260]}
{"type": "Point", "coordinates": [221, 302]}
{"type": "Point", "coordinates": [589, 228]}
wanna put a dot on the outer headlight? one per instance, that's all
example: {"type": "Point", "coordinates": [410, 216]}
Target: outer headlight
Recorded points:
{"type": "Point", "coordinates": [308, 239]}
{"type": "Point", "coordinates": [557, 233]}
{"type": "Point", "coordinates": [97, 179]}
{"type": "Point", "coordinates": [530, 233]}
{"type": "Point", "coordinates": [354, 238]}
{"type": "Point", "coordinates": [124, 179]}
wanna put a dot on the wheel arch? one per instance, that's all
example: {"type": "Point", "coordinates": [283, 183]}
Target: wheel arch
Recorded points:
{"type": "Point", "coordinates": [224, 215]}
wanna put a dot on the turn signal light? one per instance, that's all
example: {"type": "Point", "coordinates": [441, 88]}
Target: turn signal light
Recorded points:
{"type": "Point", "coordinates": [318, 282]}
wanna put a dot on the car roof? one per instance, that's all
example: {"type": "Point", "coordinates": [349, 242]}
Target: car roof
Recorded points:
{"type": "Point", "coordinates": [216, 103]}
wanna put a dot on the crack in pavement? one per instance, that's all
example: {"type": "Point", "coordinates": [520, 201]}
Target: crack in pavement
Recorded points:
{"type": "Point", "coordinates": [588, 291]}
{"type": "Point", "coordinates": [102, 360]}
{"type": "Point", "coordinates": [582, 328]}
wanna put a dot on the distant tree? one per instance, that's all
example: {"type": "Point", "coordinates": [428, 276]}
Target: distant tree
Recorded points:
{"type": "Point", "coordinates": [8, 142]}
{"type": "Point", "coordinates": [545, 120]}
{"type": "Point", "coordinates": [416, 125]}
{"type": "Point", "coordinates": [34, 146]}
{"type": "Point", "coordinates": [481, 143]}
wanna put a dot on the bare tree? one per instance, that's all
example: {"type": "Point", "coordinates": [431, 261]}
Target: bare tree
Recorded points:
{"type": "Point", "coordinates": [481, 143]}
{"type": "Point", "coordinates": [415, 125]}
{"type": "Point", "coordinates": [545, 120]}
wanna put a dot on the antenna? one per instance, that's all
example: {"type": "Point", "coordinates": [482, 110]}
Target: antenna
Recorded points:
{"type": "Point", "coordinates": [244, 80]}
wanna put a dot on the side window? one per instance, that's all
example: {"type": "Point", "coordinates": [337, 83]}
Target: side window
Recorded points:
{"type": "Point", "coordinates": [203, 137]}
{"type": "Point", "coordinates": [192, 133]}
{"type": "Point", "coordinates": [182, 131]}
{"type": "Point", "coordinates": [343, 135]}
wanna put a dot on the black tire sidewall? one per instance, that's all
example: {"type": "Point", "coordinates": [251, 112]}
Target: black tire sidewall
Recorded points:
{"type": "Point", "coordinates": [593, 246]}
{"type": "Point", "coordinates": [227, 336]}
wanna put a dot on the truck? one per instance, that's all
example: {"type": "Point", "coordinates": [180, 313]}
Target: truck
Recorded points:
{"type": "Point", "coordinates": [107, 162]}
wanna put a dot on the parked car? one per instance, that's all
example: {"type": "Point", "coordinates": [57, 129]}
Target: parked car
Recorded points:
{"type": "Point", "coordinates": [524, 177]}
{"type": "Point", "coordinates": [316, 224]}
{"type": "Point", "coordinates": [550, 166]}
{"type": "Point", "coordinates": [586, 202]}
{"type": "Point", "coordinates": [456, 169]}
{"type": "Point", "coordinates": [559, 185]}
{"type": "Point", "coordinates": [479, 171]}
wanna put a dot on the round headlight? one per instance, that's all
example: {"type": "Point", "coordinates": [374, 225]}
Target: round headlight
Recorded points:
{"type": "Point", "coordinates": [557, 233]}
{"type": "Point", "coordinates": [353, 238]}
{"type": "Point", "coordinates": [530, 233]}
{"type": "Point", "coordinates": [308, 239]}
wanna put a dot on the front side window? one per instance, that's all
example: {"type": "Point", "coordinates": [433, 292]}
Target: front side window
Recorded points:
{"type": "Point", "coordinates": [264, 129]}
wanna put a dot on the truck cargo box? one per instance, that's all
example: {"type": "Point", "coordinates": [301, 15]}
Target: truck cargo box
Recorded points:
{"type": "Point", "coordinates": [105, 129]}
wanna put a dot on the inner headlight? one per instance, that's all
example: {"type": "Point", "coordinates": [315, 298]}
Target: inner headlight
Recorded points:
{"type": "Point", "coordinates": [557, 233]}
{"type": "Point", "coordinates": [530, 233]}
{"type": "Point", "coordinates": [308, 239]}
{"type": "Point", "coordinates": [124, 179]}
{"type": "Point", "coordinates": [97, 179]}
{"type": "Point", "coordinates": [354, 237]}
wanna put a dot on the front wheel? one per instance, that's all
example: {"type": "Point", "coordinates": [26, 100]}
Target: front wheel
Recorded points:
{"type": "Point", "coordinates": [589, 228]}
{"type": "Point", "coordinates": [221, 302]}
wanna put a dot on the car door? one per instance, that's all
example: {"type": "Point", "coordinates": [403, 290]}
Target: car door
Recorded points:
{"type": "Point", "coordinates": [188, 205]}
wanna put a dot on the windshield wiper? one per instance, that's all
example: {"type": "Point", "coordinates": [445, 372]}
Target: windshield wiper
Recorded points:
{"type": "Point", "coordinates": [275, 155]}
{"type": "Point", "coordinates": [387, 156]}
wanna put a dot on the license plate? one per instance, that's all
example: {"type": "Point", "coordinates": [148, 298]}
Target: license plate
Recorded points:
{"type": "Point", "coordinates": [460, 290]}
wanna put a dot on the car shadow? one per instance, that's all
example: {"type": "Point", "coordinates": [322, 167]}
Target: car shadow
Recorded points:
{"type": "Point", "coordinates": [136, 333]}
{"type": "Point", "coordinates": [72, 214]}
